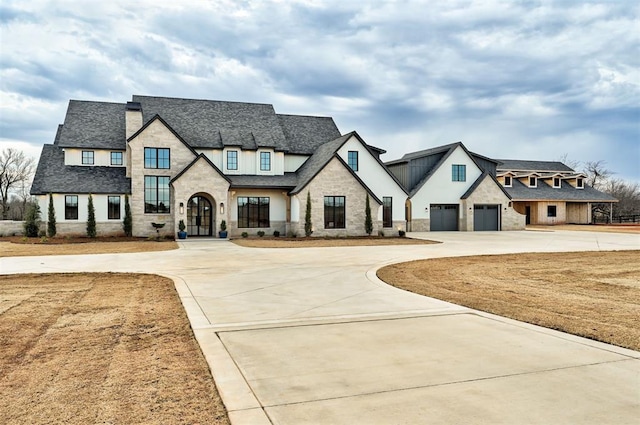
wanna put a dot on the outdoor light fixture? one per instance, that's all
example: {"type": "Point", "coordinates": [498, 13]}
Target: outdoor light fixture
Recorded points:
{"type": "Point", "coordinates": [181, 207]}
{"type": "Point", "coordinates": [221, 208]}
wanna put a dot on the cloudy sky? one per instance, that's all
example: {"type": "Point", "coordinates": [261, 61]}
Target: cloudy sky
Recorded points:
{"type": "Point", "coordinates": [510, 79]}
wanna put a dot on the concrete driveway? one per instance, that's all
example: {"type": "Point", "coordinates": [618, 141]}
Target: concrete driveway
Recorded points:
{"type": "Point", "coordinates": [297, 336]}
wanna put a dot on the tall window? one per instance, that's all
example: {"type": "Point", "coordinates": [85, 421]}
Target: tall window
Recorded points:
{"type": "Point", "coordinates": [507, 181]}
{"type": "Point", "coordinates": [533, 182]}
{"type": "Point", "coordinates": [253, 211]}
{"type": "Point", "coordinates": [116, 158]}
{"type": "Point", "coordinates": [556, 182]}
{"type": "Point", "coordinates": [580, 183]}
{"type": "Point", "coordinates": [458, 173]}
{"type": "Point", "coordinates": [352, 160]}
{"type": "Point", "coordinates": [232, 160]}
{"type": "Point", "coordinates": [265, 161]}
{"type": "Point", "coordinates": [87, 157]}
{"type": "Point", "coordinates": [387, 220]}
{"type": "Point", "coordinates": [71, 207]}
{"type": "Point", "coordinates": [156, 194]}
{"type": "Point", "coordinates": [551, 211]}
{"type": "Point", "coordinates": [334, 212]}
{"type": "Point", "coordinates": [156, 158]}
{"type": "Point", "coordinates": [113, 207]}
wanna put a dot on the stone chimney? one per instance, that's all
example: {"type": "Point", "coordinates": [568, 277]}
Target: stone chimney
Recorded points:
{"type": "Point", "coordinates": [133, 118]}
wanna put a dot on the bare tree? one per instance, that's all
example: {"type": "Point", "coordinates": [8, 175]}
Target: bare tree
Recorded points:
{"type": "Point", "coordinates": [627, 194]}
{"type": "Point", "coordinates": [571, 163]}
{"type": "Point", "coordinates": [597, 173]}
{"type": "Point", "coordinates": [16, 169]}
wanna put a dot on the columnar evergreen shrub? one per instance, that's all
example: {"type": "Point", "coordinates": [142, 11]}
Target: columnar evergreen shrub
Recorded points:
{"type": "Point", "coordinates": [308, 226]}
{"type": "Point", "coordinates": [368, 224]}
{"type": "Point", "coordinates": [51, 221]}
{"type": "Point", "coordinates": [127, 225]}
{"type": "Point", "coordinates": [91, 218]}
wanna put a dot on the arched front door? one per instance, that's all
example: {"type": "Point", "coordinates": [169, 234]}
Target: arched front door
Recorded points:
{"type": "Point", "coordinates": [199, 216]}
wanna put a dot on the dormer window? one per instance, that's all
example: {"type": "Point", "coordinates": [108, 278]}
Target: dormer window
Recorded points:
{"type": "Point", "coordinates": [556, 182]}
{"type": "Point", "coordinates": [533, 181]}
{"type": "Point", "coordinates": [87, 157]}
{"type": "Point", "coordinates": [580, 183]}
{"type": "Point", "coordinates": [265, 161]}
{"type": "Point", "coordinates": [507, 181]}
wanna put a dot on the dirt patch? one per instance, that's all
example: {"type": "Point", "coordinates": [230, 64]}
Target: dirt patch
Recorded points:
{"type": "Point", "coordinates": [271, 242]}
{"type": "Point", "coordinates": [608, 228]}
{"type": "Point", "coordinates": [17, 246]}
{"type": "Point", "coordinates": [590, 294]}
{"type": "Point", "coordinates": [100, 348]}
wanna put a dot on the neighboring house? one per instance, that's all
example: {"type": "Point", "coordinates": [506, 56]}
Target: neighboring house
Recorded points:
{"type": "Point", "coordinates": [451, 188]}
{"type": "Point", "coordinates": [206, 161]}
{"type": "Point", "coordinates": [549, 192]}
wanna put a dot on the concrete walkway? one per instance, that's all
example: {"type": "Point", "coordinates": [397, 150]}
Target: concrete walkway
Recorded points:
{"type": "Point", "coordinates": [296, 336]}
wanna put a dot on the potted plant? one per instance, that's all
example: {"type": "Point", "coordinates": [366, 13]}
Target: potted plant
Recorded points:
{"type": "Point", "coordinates": [182, 234]}
{"type": "Point", "coordinates": [223, 229]}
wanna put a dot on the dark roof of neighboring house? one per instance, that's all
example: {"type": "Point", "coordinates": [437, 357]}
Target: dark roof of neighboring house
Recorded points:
{"type": "Point", "coordinates": [479, 180]}
{"type": "Point", "coordinates": [521, 165]}
{"type": "Point", "coordinates": [566, 192]}
{"type": "Point", "coordinates": [96, 125]}
{"type": "Point", "coordinates": [425, 152]}
{"type": "Point", "coordinates": [287, 181]}
{"type": "Point", "coordinates": [52, 176]}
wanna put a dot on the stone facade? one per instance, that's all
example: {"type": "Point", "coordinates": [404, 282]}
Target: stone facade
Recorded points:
{"type": "Point", "coordinates": [336, 180]}
{"type": "Point", "coordinates": [488, 192]}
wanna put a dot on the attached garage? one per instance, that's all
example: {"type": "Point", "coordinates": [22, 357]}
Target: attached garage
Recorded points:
{"type": "Point", "coordinates": [486, 217]}
{"type": "Point", "coordinates": [444, 218]}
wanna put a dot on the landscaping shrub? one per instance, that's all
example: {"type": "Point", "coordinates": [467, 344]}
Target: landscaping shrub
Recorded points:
{"type": "Point", "coordinates": [276, 234]}
{"type": "Point", "coordinates": [91, 220]}
{"type": "Point", "coordinates": [245, 234]}
{"type": "Point", "coordinates": [401, 233]}
{"type": "Point", "coordinates": [308, 226]}
{"type": "Point", "coordinates": [32, 221]}
{"type": "Point", "coordinates": [261, 233]}
{"type": "Point", "coordinates": [127, 223]}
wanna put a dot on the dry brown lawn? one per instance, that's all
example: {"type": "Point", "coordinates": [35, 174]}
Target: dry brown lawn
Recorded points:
{"type": "Point", "coordinates": [591, 294]}
{"type": "Point", "coordinates": [17, 246]}
{"type": "Point", "coordinates": [100, 348]}
{"type": "Point", "coordinates": [271, 242]}
{"type": "Point", "coordinates": [608, 228]}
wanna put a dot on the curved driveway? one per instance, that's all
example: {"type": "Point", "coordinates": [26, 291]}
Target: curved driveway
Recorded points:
{"type": "Point", "coordinates": [310, 335]}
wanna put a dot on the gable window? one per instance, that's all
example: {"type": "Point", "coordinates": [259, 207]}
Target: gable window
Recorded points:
{"type": "Point", "coordinates": [265, 161]}
{"type": "Point", "coordinates": [253, 211]}
{"type": "Point", "coordinates": [551, 211]}
{"type": "Point", "coordinates": [387, 220]}
{"type": "Point", "coordinates": [71, 207]}
{"type": "Point", "coordinates": [458, 173]}
{"type": "Point", "coordinates": [156, 194]}
{"type": "Point", "coordinates": [232, 160]}
{"type": "Point", "coordinates": [507, 181]}
{"type": "Point", "coordinates": [87, 157]}
{"type": "Point", "coordinates": [156, 158]}
{"type": "Point", "coordinates": [533, 181]}
{"type": "Point", "coordinates": [116, 158]}
{"type": "Point", "coordinates": [556, 182]}
{"type": "Point", "coordinates": [580, 183]}
{"type": "Point", "coordinates": [113, 207]}
{"type": "Point", "coordinates": [334, 213]}
{"type": "Point", "coordinates": [352, 160]}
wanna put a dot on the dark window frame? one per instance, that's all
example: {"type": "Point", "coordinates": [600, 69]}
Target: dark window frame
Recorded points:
{"type": "Point", "coordinates": [352, 160]}
{"type": "Point", "coordinates": [335, 214]}
{"type": "Point", "coordinates": [387, 211]}
{"type": "Point", "coordinates": [254, 212]}
{"type": "Point", "coordinates": [458, 172]}
{"type": "Point", "coordinates": [118, 158]}
{"type": "Point", "coordinates": [552, 211]}
{"type": "Point", "coordinates": [157, 198]}
{"type": "Point", "coordinates": [580, 183]}
{"type": "Point", "coordinates": [557, 180]}
{"type": "Point", "coordinates": [534, 180]}
{"type": "Point", "coordinates": [232, 160]}
{"type": "Point", "coordinates": [88, 157]}
{"type": "Point", "coordinates": [70, 207]}
{"type": "Point", "coordinates": [265, 161]}
{"type": "Point", "coordinates": [509, 182]}
{"type": "Point", "coordinates": [155, 158]}
{"type": "Point", "coordinates": [113, 212]}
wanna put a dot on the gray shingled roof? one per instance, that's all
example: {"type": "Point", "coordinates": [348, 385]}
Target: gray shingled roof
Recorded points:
{"type": "Point", "coordinates": [52, 176]}
{"type": "Point", "coordinates": [521, 165]}
{"type": "Point", "coordinates": [288, 181]}
{"type": "Point", "coordinates": [304, 134]}
{"type": "Point", "coordinates": [96, 125]}
{"type": "Point", "coordinates": [521, 192]}
{"type": "Point", "coordinates": [317, 162]}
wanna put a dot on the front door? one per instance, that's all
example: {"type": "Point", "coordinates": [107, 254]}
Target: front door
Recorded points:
{"type": "Point", "coordinates": [527, 211]}
{"type": "Point", "coordinates": [199, 216]}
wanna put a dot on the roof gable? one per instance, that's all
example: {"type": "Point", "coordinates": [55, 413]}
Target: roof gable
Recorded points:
{"type": "Point", "coordinates": [202, 157]}
{"type": "Point", "coordinates": [95, 125]}
{"type": "Point", "coordinates": [168, 127]}
{"type": "Point", "coordinates": [479, 181]}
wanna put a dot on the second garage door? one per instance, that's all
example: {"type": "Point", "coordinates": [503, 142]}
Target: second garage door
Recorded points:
{"type": "Point", "coordinates": [486, 217]}
{"type": "Point", "coordinates": [444, 218]}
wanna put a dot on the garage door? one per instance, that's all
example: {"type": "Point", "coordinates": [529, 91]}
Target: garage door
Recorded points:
{"type": "Point", "coordinates": [444, 218]}
{"type": "Point", "coordinates": [485, 217]}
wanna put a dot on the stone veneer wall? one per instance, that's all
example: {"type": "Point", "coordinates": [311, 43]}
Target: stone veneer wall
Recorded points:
{"type": "Point", "coordinates": [336, 180]}
{"type": "Point", "coordinates": [489, 193]}
{"type": "Point", "coordinates": [420, 225]}
{"type": "Point", "coordinates": [111, 228]}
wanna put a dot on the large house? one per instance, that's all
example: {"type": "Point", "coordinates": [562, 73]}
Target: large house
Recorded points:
{"type": "Point", "coordinates": [549, 192]}
{"type": "Point", "coordinates": [204, 162]}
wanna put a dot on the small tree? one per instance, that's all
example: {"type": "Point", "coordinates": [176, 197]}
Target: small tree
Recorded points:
{"type": "Point", "coordinates": [127, 225]}
{"type": "Point", "coordinates": [368, 224]}
{"type": "Point", "coordinates": [51, 222]}
{"type": "Point", "coordinates": [91, 218]}
{"type": "Point", "coordinates": [308, 226]}
{"type": "Point", "coordinates": [32, 221]}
